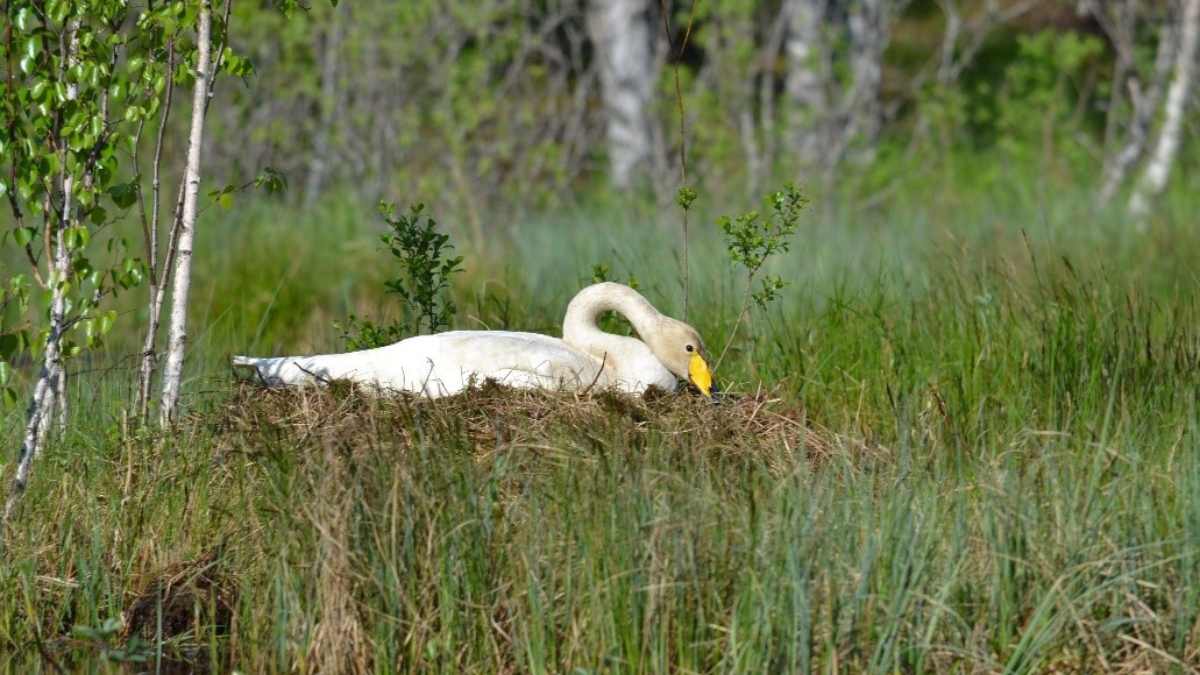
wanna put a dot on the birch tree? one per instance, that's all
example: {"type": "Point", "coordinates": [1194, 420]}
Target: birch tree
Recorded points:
{"type": "Point", "coordinates": [330, 106]}
{"type": "Point", "coordinates": [621, 35]}
{"type": "Point", "coordinates": [1128, 124]}
{"type": "Point", "coordinates": [1158, 166]}
{"type": "Point", "coordinates": [870, 31]}
{"type": "Point", "coordinates": [181, 268]}
{"type": "Point", "coordinates": [67, 102]}
{"type": "Point", "coordinates": [830, 113]}
{"type": "Point", "coordinates": [808, 60]}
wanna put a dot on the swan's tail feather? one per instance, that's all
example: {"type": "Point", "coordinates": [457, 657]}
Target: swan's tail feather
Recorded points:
{"type": "Point", "coordinates": [286, 370]}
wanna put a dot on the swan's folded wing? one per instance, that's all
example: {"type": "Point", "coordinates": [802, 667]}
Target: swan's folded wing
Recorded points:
{"type": "Point", "coordinates": [449, 362]}
{"type": "Point", "coordinates": [442, 364]}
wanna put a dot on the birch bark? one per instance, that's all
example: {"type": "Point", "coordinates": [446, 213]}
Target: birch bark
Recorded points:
{"type": "Point", "coordinates": [182, 267]}
{"type": "Point", "coordinates": [50, 388]}
{"type": "Point", "coordinates": [1158, 168]}
{"type": "Point", "coordinates": [807, 78]}
{"type": "Point", "coordinates": [1145, 103]}
{"type": "Point", "coordinates": [329, 105]}
{"type": "Point", "coordinates": [621, 33]}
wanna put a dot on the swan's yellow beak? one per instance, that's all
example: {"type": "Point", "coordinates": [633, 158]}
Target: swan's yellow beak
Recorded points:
{"type": "Point", "coordinates": [700, 375]}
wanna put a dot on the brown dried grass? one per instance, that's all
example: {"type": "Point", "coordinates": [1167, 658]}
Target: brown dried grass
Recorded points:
{"type": "Point", "coordinates": [761, 427]}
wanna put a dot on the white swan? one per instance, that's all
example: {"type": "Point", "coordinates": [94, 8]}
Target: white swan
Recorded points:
{"type": "Point", "coordinates": [447, 363]}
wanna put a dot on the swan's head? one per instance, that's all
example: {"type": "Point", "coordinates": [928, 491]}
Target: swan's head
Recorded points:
{"type": "Point", "coordinates": [681, 350]}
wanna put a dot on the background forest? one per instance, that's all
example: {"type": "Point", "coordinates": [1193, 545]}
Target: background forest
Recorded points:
{"type": "Point", "coordinates": [960, 433]}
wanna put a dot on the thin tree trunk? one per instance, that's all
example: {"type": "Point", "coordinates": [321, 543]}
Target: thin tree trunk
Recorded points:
{"type": "Point", "coordinates": [61, 271]}
{"type": "Point", "coordinates": [807, 78]}
{"type": "Point", "coordinates": [1119, 21]}
{"type": "Point", "coordinates": [1145, 104]}
{"type": "Point", "coordinates": [767, 121]}
{"type": "Point", "coordinates": [51, 380]}
{"type": "Point", "coordinates": [37, 419]}
{"type": "Point", "coordinates": [55, 373]}
{"type": "Point", "coordinates": [868, 38]}
{"type": "Point", "coordinates": [329, 106]}
{"type": "Point", "coordinates": [1158, 169]}
{"type": "Point", "coordinates": [182, 274]}
{"type": "Point", "coordinates": [157, 275]}
{"type": "Point", "coordinates": [621, 33]}
{"type": "Point", "coordinates": [61, 402]}
{"type": "Point", "coordinates": [946, 73]}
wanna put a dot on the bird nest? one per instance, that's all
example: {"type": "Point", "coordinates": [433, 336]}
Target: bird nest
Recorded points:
{"type": "Point", "coordinates": [491, 418]}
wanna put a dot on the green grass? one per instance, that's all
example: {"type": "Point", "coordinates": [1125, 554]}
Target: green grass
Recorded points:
{"type": "Point", "coordinates": [974, 449]}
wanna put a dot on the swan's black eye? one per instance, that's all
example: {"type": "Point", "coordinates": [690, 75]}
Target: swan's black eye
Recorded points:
{"type": "Point", "coordinates": [690, 348]}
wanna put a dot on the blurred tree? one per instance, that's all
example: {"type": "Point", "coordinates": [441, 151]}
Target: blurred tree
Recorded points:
{"type": "Point", "coordinates": [1158, 167]}
{"type": "Point", "coordinates": [621, 32]}
{"type": "Point", "coordinates": [470, 104]}
{"type": "Point", "coordinates": [810, 70]}
{"type": "Point", "coordinates": [330, 102]}
{"type": "Point", "coordinates": [1121, 21]}
{"type": "Point", "coordinates": [835, 57]}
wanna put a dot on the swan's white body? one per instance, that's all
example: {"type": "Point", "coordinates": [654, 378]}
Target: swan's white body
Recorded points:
{"type": "Point", "coordinates": [447, 363]}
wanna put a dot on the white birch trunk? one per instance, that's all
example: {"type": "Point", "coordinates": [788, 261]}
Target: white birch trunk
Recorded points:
{"type": "Point", "coordinates": [55, 372]}
{"type": "Point", "coordinates": [157, 275]}
{"type": "Point", "coordinates": [37, 418]}
{"type": "Point", "coordinates": [57, 392]}
{"type": "Point", "coordinates": [807, 78]}
{"type": "Point", "coordinates": [1145, 104]}
{"type": "Point", "coordinates": [182, 275]}
{"type": "Point", "coordinates": [621, 34]}
{"type": "Point", "coordinates": [329, 105]}
{"type": "Point", "coordinates": [1158, 168]}
{"type": "Point", "coordinates": [868, 38]}
{"type": "Point", "coordinates": [50, 386]}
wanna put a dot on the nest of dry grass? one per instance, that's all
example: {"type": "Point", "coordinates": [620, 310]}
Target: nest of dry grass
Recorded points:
{"type": "Point", "coordinates": [493, 416]}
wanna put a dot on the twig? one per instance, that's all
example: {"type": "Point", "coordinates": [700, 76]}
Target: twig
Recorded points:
{"type": "Point", "coordinates": [597, 378]}
{"type": "Point", "coordinates": [737, 324]}
{"type": "Point", "coordinates": [666, 17]}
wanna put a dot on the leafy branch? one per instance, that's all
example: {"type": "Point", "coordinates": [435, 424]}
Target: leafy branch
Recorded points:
{"type": "Point", "coordinates": [426, 265]}
{"type": "Point", "coordinates": [752, 239]}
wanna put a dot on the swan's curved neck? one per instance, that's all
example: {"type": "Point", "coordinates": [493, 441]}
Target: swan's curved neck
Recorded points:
{"type": "Point", "coordinates": [580, 324]}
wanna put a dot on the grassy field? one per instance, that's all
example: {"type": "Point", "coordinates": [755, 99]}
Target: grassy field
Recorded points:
{"type": "Point", "coordinates": [965, 441]}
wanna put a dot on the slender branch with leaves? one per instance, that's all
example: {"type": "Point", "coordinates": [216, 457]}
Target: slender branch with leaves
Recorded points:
{"type": "Point", "coordinates": [752, 239]}
{"type": "Point", "coordinates": [70, 99]}
{"type": "Point", "coordinates": [686, 195]}
{"type": "Point", "coordinates": [426, 265]}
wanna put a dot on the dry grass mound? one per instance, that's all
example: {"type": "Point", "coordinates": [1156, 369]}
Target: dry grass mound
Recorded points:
{"type": "Point", "coordinates": [493, 417]}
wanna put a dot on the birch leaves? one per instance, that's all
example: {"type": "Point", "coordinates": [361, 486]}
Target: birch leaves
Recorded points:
{"type": "Point", "coordinates": [83, 86]}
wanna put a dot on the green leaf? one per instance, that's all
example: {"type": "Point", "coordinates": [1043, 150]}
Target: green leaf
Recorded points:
{"type": "Point", "coordinates": [38, 92]}
{"type": "Point", "coordinates": [124, 194]}
{"type": "Point", "coordinates": [23, 235]}
{"type": "Point", "coordinates": [77, 237]}
{"type": "Point", "coordinates": [225, 200]}
{"type": "Point", "coordinates": [10, 344]}
{"type": "Point", "coordinates": [272, 180]}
